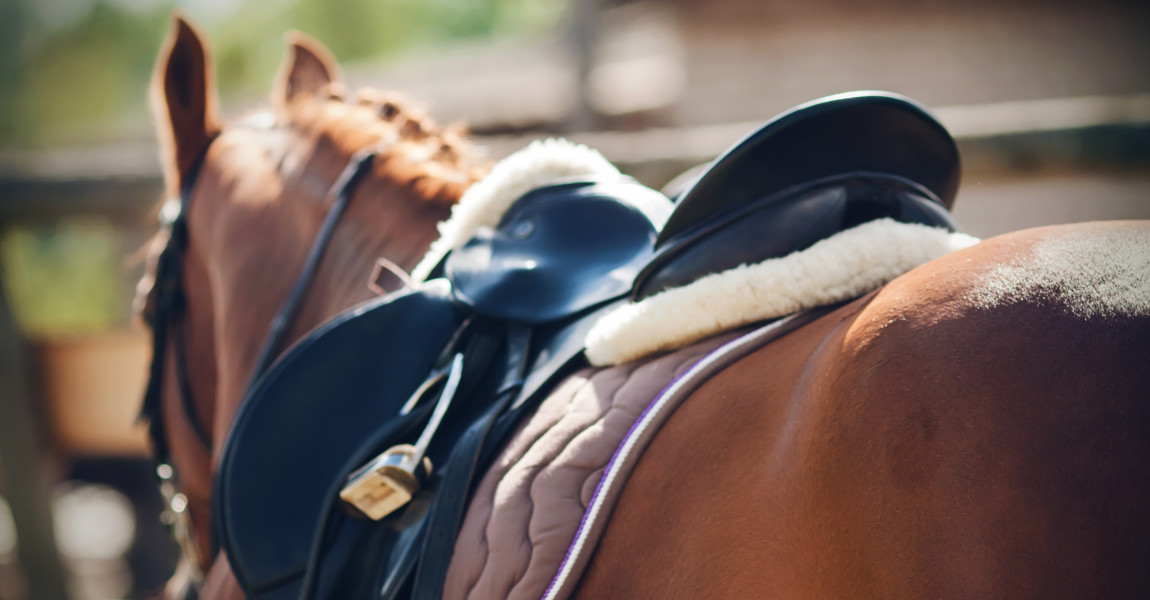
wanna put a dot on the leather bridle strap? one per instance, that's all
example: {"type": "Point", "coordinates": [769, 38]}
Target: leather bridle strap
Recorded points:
{"type": "Point", "coordinates": [167, 317]}
{"type": "Point", "coordinates": [168, 313]}
{"type": "Point", "coordinates": [342, 188]}
{"type": "Point", "coordinates": [170, 300]}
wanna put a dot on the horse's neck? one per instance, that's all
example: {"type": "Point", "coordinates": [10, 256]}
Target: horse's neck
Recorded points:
{"type": "Point", "coordinates": [252, 292]}
{"type": "Point", "coordinates": [258, 208]}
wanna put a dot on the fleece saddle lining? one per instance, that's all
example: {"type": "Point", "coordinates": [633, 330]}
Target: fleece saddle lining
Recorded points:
{"type": "Point", "coordinates": [844, 266]}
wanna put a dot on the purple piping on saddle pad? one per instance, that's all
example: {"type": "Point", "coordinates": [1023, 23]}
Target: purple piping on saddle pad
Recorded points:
{"type": "Point", "coordinates": [644, 429]}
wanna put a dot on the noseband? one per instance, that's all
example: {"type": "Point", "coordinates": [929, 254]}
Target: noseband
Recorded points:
{"type": "Point", "coordinates": [167, 317]}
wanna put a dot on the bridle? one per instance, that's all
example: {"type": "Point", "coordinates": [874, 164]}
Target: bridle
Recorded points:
{"type": "Point", "coordinates": [167, 317]}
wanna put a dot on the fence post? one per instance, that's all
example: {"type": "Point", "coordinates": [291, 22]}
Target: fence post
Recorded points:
{"type": "Point", "coordinates": [582, 37]}
{"type": "Point", "coordinates": [22, 467]}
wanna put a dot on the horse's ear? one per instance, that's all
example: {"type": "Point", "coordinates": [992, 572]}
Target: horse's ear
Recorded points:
{"type": "Point", "coordinates": [184, 100]}
{"type": "Point", "coordinates": [308, 70]}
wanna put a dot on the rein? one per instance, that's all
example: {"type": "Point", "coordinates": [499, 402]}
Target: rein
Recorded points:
{"type": "Point", "coordinates": [167, 317]}
{"type": "Point", "coordinates": [342, 188]}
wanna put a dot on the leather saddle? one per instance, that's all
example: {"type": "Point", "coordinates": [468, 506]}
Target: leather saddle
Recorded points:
{"type": "Point", "coordinates": [509, 311]}
{"type": "Point", "coordinates": [516, 301]}
{"type": "Point", "coordinates": [820, 168]}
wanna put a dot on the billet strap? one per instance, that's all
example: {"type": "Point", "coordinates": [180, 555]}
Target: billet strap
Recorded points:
{"type": "Point", "coordinates": [527, 386]}
{"type": "Point", "coordinates": [397, 428]}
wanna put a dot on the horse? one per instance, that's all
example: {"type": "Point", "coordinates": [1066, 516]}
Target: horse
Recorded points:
{"type": "Point", "coordinates": [267, 161]}
{"type": "Point", "coordinates": [979, 426]}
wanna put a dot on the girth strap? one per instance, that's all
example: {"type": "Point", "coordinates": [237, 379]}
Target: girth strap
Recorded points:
{"type": "Point", "coordinates": [447, 511]}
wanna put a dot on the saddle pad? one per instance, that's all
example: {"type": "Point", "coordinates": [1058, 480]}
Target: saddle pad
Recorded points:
{"type": "Point", "coordinates": [530, 504]}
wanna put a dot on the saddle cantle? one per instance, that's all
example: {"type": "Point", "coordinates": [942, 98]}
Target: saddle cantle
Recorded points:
{"type": "Point", "coordinates": [817, 169]}
{"type": "Point", "coordinates": [516, 302]}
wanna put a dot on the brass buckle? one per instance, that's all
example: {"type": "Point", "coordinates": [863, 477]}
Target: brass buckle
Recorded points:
{"type": "Point", "coordinates": [388, 482]}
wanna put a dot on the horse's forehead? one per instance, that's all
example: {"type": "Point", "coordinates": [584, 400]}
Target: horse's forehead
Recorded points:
{"type": "Point", "coordinates": [288, 142]}
{"type": "Point", "coordinates": [242, 141]}
{"type": "Point", "coordinates": [261, 120]}
{"type": "Point", "coordinates": [253, 150]}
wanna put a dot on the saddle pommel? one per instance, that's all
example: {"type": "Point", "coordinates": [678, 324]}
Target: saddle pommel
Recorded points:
{"type": "Point", "coordinates": [387, 483]}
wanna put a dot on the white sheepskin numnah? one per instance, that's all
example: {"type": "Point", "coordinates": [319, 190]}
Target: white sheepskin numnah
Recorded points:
{"type": "Point", "coordinates": [541, 163]}
{"type": "Point", "coordinates": [843, 266]}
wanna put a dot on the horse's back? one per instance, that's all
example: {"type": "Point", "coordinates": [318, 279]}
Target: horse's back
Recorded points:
{"type": "Point", "coordinates": [978, 428]}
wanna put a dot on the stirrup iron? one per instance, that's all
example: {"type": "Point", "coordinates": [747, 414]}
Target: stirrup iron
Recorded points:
{"type": "Point", "coordinates": [389, 481]}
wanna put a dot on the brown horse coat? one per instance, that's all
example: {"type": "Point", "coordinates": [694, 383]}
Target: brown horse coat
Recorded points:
{"type": "Point", "coordinates": [978, 428]}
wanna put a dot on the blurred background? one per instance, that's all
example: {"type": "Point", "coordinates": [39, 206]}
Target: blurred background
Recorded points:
{"type": "Point", "coordinates": [1050, 102]}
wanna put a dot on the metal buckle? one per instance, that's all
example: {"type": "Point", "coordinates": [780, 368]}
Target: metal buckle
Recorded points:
{"type": "Point", "coordinates": [175, 516]}
{"type": "Point", "coordinates": [389, 481]}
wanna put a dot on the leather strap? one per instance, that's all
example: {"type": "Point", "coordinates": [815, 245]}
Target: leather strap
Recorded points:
{"type": "Point", "coordinates": [480, 341]}
{"type": "Point", "coordinates": [401, 574]}
{"type": "Point", "coordinates": [180, 347]}
{"type": "Point", "coordinates": [342, 188]}
{"type": "Point", "coordinates": [395, 428]}
{"type": "Point", "coordinates": [447, 512]}
{"type": "Point", "coordinates": [167, 314]}
{"type": "Point", "coordinates": [170, 303]}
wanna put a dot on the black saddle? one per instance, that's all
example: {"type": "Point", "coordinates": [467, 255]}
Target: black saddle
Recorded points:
{"type": "Point", "coordinates": [506, 316]}
{"type": "Point", "coordinates": [515, 301]}
{"type": "Point", "coordinates": [811, 172]}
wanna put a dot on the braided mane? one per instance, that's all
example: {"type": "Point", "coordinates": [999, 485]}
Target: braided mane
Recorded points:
{"type": "Point", "coordinates": [437, 162]}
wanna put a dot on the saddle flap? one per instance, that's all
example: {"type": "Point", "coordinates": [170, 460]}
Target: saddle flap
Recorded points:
{"type": "Point", "coordinates": [306, 418]}
{"type": "Point", "coordinates": [873, 132]}
{"type": "Point", "coordinates": [559, 250]}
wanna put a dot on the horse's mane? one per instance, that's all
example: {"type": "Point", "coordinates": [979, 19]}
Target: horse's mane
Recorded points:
{"type": "Point", "coordinates": [437, 162]}
{"type": "Point", "coordinates": [433, 163]}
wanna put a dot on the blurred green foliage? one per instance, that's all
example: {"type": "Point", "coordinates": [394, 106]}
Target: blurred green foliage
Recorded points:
{"type": "Point", "coordinates": [76, 71]}
{"type": "Point", "coordinates": [65, 278]}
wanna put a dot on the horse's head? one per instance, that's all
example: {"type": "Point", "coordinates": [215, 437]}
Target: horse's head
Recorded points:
{"type": "Point", "coordinates": [256, 192]}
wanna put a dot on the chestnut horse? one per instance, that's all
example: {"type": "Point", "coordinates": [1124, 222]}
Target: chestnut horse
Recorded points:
{"type": "Point", "coordinates": [270, 172]}
{"type": "Point", "coordinates": [980, 427]}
